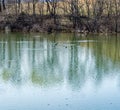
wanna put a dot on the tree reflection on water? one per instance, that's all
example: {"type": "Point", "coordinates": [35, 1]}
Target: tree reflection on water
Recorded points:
{"type": "Point", "coordinates": [49, 60]}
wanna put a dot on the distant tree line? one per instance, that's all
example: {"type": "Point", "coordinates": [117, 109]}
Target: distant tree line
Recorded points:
{"type": "Point", "coordinates": [77, 11]}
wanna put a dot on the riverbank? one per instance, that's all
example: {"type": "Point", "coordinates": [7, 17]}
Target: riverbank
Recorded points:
{"type": "Point", "coordinates": [48, 23]}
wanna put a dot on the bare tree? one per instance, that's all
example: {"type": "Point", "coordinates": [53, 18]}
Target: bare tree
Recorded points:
{"type": "Point", "coordinates": [3, 3]}
{"type": "Point", "coordinates": [51, 8]}
{"type": "Point", "coordinates": [41, 7]}
{"type": "Point", "coordinates": [19, 6]}
{"type": "Point", "coordinates": [0, 5]}
{"type": "Point", "coordinates": [34, 6]}
{"type": "Point", "coordinates": [88, 7]}
{"type": "Point", "coordinates": [117, 12]}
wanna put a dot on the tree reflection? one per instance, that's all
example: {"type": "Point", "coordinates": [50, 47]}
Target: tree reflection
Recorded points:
{"type": "Point", "coordinates": [41, 62]}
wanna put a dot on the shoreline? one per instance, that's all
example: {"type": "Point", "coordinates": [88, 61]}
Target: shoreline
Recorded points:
{"type": "Point", "coordinates": [47, 24]}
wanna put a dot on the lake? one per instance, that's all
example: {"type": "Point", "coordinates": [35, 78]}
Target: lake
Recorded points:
{"type": "Point", "coordinates": [59, 72]}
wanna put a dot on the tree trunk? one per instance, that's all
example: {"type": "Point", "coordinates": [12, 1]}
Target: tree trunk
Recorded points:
{"type": "Point", "coordinates": [0, 8]}
{"type": "Point", "coordinates": [3, 3]}
{"type": "Point", "coordinates": [19, 6]}
{"type": "Point", "coordinates": [34, 7]}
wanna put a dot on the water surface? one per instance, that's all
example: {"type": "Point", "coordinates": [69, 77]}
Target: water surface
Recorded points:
{"type": "Point", "coordinates": [59, 72]}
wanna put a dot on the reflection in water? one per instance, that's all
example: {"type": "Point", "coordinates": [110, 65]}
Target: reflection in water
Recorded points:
{"type": "Point", "coordinates": [75, 63]}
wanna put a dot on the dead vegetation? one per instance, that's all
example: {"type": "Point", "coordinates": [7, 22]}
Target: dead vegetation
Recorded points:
{"type": "Point", "coordinates": [101, 16]}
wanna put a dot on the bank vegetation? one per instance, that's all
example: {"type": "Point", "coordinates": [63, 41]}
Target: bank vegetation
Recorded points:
{"type": "Point", "coordinates": [84, 16]}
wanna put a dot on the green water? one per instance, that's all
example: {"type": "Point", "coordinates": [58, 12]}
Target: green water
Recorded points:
{"type": "Point", "coordinates": [59, 72]}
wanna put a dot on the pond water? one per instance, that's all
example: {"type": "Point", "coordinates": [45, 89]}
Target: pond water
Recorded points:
{"type": "Point", "coordinates": [59, 72]}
